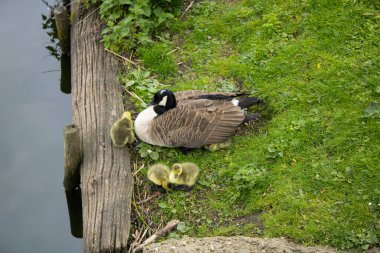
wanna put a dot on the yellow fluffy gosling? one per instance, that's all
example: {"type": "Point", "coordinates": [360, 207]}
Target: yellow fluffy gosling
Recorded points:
{"type": "Point", "coordinates": [122, 131]}
{"type": "Point", "coordinates": [159, 174]}
{"type": "Point", "coordinates": [184, 174]}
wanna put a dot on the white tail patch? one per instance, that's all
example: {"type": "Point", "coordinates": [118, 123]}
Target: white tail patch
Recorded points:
{"type": "Point", "coordinates": [235, 102]}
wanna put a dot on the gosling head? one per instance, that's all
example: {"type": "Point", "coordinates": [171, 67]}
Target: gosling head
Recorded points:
{"type": "Point", "coordinates": [177, 170]}
{"type": "Point", "coordinates": [127, 115]}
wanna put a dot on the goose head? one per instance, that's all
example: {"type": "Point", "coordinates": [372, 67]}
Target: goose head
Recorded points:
{"type": "Point", "coordinates": [163, 100]}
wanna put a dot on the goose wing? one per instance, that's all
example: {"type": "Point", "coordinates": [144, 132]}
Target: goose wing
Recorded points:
{"type": "Point", "coordinates": [194, 125]}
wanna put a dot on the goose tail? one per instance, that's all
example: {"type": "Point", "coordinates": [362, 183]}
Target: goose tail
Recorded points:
{"type": "Point", "coordinates": [246, 102]}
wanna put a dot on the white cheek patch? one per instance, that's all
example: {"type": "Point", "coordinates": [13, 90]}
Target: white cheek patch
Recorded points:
{"type": "Point", "coordinates": [163, 101]}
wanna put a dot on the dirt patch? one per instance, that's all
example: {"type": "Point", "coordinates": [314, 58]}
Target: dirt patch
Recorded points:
{"type": "Point", "coordinates": [238, 244]}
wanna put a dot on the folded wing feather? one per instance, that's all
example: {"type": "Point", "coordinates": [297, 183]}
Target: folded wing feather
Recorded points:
{"type": "Point", "coordinates": [197, 123]}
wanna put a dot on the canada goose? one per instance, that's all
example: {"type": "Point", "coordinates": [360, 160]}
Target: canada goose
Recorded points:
{"type": "Point", "coordinates": [159, 174]}
{"type": "Point", "coordinates": [122, 131]}
{"type": "Point", "coordinates": [192, 119]}
{"type": "Point", "coordinates": [184, 174]}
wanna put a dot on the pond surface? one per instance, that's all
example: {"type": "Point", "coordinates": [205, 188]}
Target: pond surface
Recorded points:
{"type": "Point", "coordinates": [33, 210]}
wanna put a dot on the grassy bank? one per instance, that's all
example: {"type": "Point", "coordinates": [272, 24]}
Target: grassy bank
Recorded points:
{"type": "Point", "coordinates": [310, 170]}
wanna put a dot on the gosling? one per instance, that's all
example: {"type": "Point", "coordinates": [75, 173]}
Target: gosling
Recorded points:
{"type": "Point", "coordinates": [122, 131]}
{"type": "Point", "coordinates": [218, 146]}
{"type": "Point", "coordinates": [184, 174]}
{"type": "Point", "coordinates": [159, 175]}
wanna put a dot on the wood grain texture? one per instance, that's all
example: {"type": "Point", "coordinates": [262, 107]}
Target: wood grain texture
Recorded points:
{"type": "Point", "coordinates": [106, 179]}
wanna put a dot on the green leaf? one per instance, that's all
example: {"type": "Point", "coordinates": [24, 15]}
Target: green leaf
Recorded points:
{"type": "Point", "coordinates": [154, 155]}
{"type": "Point", "coordinates": [125, 2]}
{"type": "Point", "coordinates": [130, 83]}
{"type": "Point", "coordinates": [146, 74]}
{"type": "Point", "coordinates": [182, 227]}
{"type": "Point", "coordinates": [163, 205]}
{"type": "Point", "coordinates": [140, 87]}
{"type": "Point", "coordinates": [143, 154]}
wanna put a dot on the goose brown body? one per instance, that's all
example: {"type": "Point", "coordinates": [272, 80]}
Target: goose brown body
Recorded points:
{"type": "Point", "coordinates": [207, 122]}
{"type": "Point", "coordinates": [194, 122]}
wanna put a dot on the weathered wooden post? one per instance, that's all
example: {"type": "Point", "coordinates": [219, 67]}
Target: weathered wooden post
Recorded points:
{"type": "Point", "coordinates": [71, 181]}
{"type": "Point", "coordinates": [72, 157]}
{"type": "Point", "coordinates": [97, 102]}
{"type": "Point", "coordinates": [62, 23]}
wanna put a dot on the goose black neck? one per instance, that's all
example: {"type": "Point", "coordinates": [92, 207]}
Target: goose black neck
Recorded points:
{"type": "Point", "coordinates": [171, 101]}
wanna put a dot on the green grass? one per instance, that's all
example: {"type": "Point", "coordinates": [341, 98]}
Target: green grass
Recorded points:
{"type": "Point", "coordinates": [311, 169]}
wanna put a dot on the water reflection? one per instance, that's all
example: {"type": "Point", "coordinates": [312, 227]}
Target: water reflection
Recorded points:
{"type": "Point", "coordinates": [54, 45]}
{"type": "Point", "coordinates": [33, 210]}
{"type": "Point", "coordinates": [74, 204]}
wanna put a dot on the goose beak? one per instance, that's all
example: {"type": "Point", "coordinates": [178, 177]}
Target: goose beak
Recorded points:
{"type": "Point", "coordinates": [151, 103]}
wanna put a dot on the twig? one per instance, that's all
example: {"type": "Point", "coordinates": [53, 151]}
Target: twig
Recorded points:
{"type": "Point", "coordinates": [137, 210]}
{"type": "Point", "coordinates": [169, 226]}
{"type": "Point", "coordinates": [122, 57]}
{"type": "Point", "coordinates": [141, 237]}
{"type": "Point", "coordinates": [134, 173]}
{"type": "Point", "coordinates": [134, 95]}
{"type": "Point", "coordinates": [148, 198]}
{"type": "Point", "coordinates": [187, 9]}
{"type": "Point", "coordinates": [175, 49]}
{"type": "Point", "coordinates": [92, 12]}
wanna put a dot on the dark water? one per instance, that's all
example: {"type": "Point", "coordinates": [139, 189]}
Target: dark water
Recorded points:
{"type": "Point", "coordinates": [33, 211]}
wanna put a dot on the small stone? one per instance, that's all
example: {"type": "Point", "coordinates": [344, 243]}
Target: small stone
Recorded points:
{"type": "Point", "coordinates": [229, 243]}
{"type": "Point", "coordinates": [212, 248]}
{"type": "Point", "coordinates": [173, 249]}
{"type": "Point", "coordinates": [184, 243]}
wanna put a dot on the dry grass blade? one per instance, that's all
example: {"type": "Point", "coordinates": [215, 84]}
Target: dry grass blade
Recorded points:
{"type": "Point", "coordinates": [122, 57]}
{"type": "Point", "coordinates": [187, 9]}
